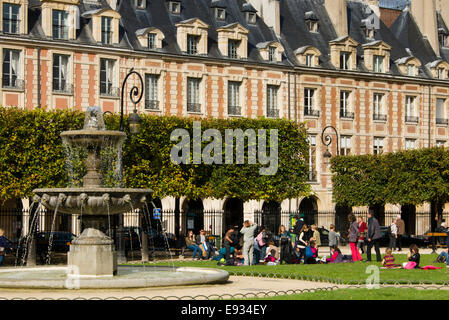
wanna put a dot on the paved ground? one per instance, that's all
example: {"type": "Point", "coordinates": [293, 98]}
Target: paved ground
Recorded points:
{"type": "Point", "coordinates": [236, 285]}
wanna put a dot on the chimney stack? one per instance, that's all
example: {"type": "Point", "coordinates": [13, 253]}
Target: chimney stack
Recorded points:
{"type": "Point", "coordinates": [425, 14]}
{"type": "Point", "coordinates": [337, 11]}
{"type": "Point", "coordinates": [270, 12]}
{"type": "Point", "coordinates": [443, 8]}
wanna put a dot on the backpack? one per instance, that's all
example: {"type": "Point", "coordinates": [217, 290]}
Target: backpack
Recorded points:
{"type": "Point", "coordinates": [440, 259]}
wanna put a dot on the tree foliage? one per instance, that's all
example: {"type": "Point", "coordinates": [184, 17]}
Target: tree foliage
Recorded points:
{"type": "Point", "coordinates": [32, 156]}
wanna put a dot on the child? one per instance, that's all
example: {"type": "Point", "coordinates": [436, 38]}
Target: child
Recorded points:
{"type": "Point", "coordinates": [333, 240]}
{"type": "Point", "coordinates": [272, 253]}
{"type": "Point", "coordinates": [388, 261]}
{"type": "Point", "coordinates": [336, 255]}
{"type": "Point", "coordinates": [413, 258]}
{"type": "Point", "coordinates": [316, 235]}
{"type": "Point", "coordinates": [311, 253]}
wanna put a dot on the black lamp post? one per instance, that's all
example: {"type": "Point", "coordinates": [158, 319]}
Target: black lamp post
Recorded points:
{"type": "Point", "coordinates": [327, 141]}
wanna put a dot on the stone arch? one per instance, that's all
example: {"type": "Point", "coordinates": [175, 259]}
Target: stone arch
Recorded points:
{"type": "Point", "coordinates": [193, 210]}
{"type": "Point", "coordinates": [408, 214]}
{"type": "Point", "coordinates": [233, 213]}
{"type": "Point", "coordinates": [309, 208]}
{"type": "Point", "coordinates": [271, 216]}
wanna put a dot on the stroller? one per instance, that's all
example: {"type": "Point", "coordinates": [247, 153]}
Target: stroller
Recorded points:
{"type": "Point", "coordinates": [286, 253]}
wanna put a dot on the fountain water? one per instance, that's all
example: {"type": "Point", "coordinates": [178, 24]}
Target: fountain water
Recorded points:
{"type": "Point", "coordinates": [92, 259]}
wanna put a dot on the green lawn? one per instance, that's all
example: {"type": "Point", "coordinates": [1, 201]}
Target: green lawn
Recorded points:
{"type": "Point", "coordinates": [365, 294]}
{"type": "Point", "coordinates": [346, 273]}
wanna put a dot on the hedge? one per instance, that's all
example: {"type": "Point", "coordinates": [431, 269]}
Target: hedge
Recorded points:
{"type": "Point", "coordinates": [32, 156]}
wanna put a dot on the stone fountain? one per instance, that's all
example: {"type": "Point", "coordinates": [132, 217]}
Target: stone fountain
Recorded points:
{"type": "Point", "coordinates": [92, 259]}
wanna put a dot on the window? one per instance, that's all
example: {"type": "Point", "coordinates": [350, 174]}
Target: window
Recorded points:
{"type": "Point", "coordinates": [106, 30]}
{"type": "Point", "coordinates": [312, 159]}
{"type": "Point", "coordinates": [378, 107]}
{"type": "Point", "coordinates": [151, 41]}
{"type": "Point", "coordinates": [151, 92]}
{"type": "Point", "coordinates": [410, 111]}
{"type": "Point", "coordinates": [233, 49]}
{"type": "Point", "coordinates": [440, 143]}
{"type": "Point", "coordinates": [369, 32]}
{"type": "Point", "coordinates": [312, 25]}
{"type": "Point", "coordinates": [411, 70]}
{"type": "Point", "coordinates": [192, 44]}
{"type": "Point", "coordinates": [107, 77]}
{"type": "Point", "coordinates": [441, 73]}
{"type": "Point", "coordinates": [309, 60]}
{"type": "Point", "coordinates": [309, 103]}
{"type": "Point", "coordinates": [378, 145]}
{"type": "Point", "coordinates": [11, 69]}
{"type": "Point", "coordinates": [410, 144]}
{"type": "Point", "coordinates": [440, 112]}
{"type": "Point", "coordinates": [272, 103]}
{"type": "Point", "coordinates": [140, 4]}
{"type": "Point", "coordinates": [193, 95]}
{"type": "Point", "coordinates": [234, 107]}
{"type": "Point", "coordinates": [220, 14]}
{"type": "Point", "coordinates": [271, 54]}
{"type": "Point", "coordinates": [443, 39]}
{"type": "Point", "coordinates": [345, 105]}
{"type": "Point", "coordinates": [378, 63]}
{"type": "Point", "coordinates": [174, 7]}
{"type": "Point", "coordinates": [60, 24]}
{"type": "Point", "coordinates": [61, 73]}
{"type": "Point", "coordinates": [345, 145]}
{"type": "Point", "coordinates": [251, 18]}
{"type": "Point", "coordinates": [11, 18]}
{"type": "Point", "coordinates": [344, 60]}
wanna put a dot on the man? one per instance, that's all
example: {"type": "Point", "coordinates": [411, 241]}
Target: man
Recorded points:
{"type": "Point", "coordinates": [373, 237]}
{"type": "Point", "coordinates": [393, 234]}
{"type": "Point", "coordinates": [200, 240]}
{"type": "Point", "coordinates": [248, 241]}
{"type": "Point", "coordinates": [228, 242]}
{"type": "Point", "coordinates": [3, 246]}
{"type": "Point", "coordinates": [401, 230]}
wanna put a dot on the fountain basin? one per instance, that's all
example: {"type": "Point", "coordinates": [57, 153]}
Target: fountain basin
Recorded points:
{"type": "Point", "coordinates": [93, 201]}
{"type": "Point", "coordinates": [127, 277]}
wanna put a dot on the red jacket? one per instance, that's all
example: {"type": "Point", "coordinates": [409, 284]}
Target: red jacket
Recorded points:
{"type": "Point", "coordinates": [362, 230]}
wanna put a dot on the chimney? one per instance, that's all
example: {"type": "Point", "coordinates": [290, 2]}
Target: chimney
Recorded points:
{"type": "Point", "coordinates": [337, 11]}
{"type": "Point", "coordinates": [270, 12]}
{"type": "Point", "coordinates": [443, 8]}
{"type": "Point", "coordinates": [374, 6]}
{"type": "Point", "coordinates": [424, 12]}
{"type": "Point", "coordinates": [112, 4]}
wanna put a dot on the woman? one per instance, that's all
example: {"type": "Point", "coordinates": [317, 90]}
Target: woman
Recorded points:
{"type": "Point", "coordinates": [302, 242]}
{"type": "Point", "coordinates": [363, 228]}
{"type": "Point", "coordinates": [3, 246]}
{"type": "Point", "coordinates": [311, 253]}
{"type": "Point", "coordinates": [283, 232]}
{"type": "Point", "coordinates": [261, 240]}
{"type": "Point", "coordinates": [191, 244]}
{"type": "Point", "coordinates": [354, 237]}
{"type": "Point", "coordinates": [393, 235]}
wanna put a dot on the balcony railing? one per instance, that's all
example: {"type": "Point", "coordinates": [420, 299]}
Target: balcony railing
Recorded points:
{"type": "Point", "coordinates": [65, 89]}
{"type": "Point", "coordinates": [151, 104]}
{"type": "Point", "coordinates": [273, 113]}
{"type": "Point", "coordinates": [234, 110]}
{"type": "Point", "coordinates": [379, 117]}
{"type": "Point", "coordinates": [312, 176]}
{"type": "Point", "coordinates": [411, 119]}
{"type": "Point", "coordinates": [194, 107]}
{"type": "Point", "coordinates": [309, 112]}
{"type": "Point", "coordinates": [13, 83]}
{"type": "Point", "coordinates": [109, 91]}
{"type": "Point", "coordinates": [346, 114]}
{"type": "Point", "coordinates": [442, 121]}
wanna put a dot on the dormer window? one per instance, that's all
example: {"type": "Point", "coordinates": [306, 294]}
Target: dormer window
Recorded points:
{"type": "Point", "coordinates": [233, 48]}
{"type": "Point", "coordinates": [271, 51]}
{"type": "Point", "coordinates": [220, 14]}
{"type": "Point", "coordinates": [150, 38]}
{"type": "Point", "coordinates": [408, 66]}
{"type": "Point", "coordinates": [174, 7]}
{"type": "Point", "coordinates": [60, 25]}
{"type": "Point", "coordinates": [251, 18]}
{"type": "Point", "coordinates": [378, 63]}
{"type": "Point", "coordinates": [345, 63]}
{"type": "Point", "coordinates": [311, 21]}
{"type": "Point", "coordinates": [368, 28]}
{"type": "Point", "coordinates": [443, 37]}
{"type": "Point", "coordinates": [233, 41]}
{"type": "Point", "coordinates": [192, 36]}
{"type": "Point", "coordinates": [192, 44]}
{"type": "Point", "coordinates": [106, 30]}
{"type": "Point", "coordinates": [11, 22]}
{"type": "Point", "coordinates": [140, 4]}
{"type": "Point", "coordinates": [308, 56]}
{"type": "Point", "coordinates": [439, 69]}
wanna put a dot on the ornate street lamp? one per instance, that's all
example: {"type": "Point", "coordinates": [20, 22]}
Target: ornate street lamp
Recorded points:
{"type": "Point", "coordinates": [327, 141]}
{"type": "Point", "coordinates": [134, 119]}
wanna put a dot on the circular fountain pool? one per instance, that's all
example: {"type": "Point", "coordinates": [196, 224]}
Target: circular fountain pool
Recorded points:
{"type": "Point", "coordinates": [127, 277]}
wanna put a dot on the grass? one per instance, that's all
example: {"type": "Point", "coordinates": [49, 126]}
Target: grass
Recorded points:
{"type": "Point", "coordinates": [366, 294]}
{"type": "Point", "coordinates": [345, 273]}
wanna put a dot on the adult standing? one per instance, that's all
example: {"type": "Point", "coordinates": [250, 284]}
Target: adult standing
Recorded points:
{"type": "Point", "coordinates": [228, 242]}
{"type": "Point", "coordinates": [248, 241]}
{"type": "Point", "coordinates": [374, 236]}
{"type": "Point", "coordinates": [393, 235]}
{"type": "Point", "coordinates": [354, 237]}
{"type": "Point", "coordinates": [401, 230]}
{"type": "Point", "coordinates": [3, 246]}
{"type": "Point", "coordinates": [363, 228]}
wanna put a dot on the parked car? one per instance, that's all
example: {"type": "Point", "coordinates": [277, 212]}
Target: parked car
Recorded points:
{"type": "Point", "coordinates": [156, 239]}
{"type": "Point", "coordinates": [61, 241]}
{"type": "Point", "coordinates": [406, 241]}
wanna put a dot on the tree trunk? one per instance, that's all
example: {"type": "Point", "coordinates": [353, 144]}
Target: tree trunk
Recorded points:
{"type": "Point", "coordinates": [145, 255]}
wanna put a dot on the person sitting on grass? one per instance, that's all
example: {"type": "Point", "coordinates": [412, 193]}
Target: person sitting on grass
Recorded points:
{"type": "Point", "coordinates": [388, 261]}
{"type": "Point", "coordinates": [272, 254]}
{"type": "Point", "coordinates": [336, 255]}
{"type": "Point", "coordinates": [311, 253]}
{"type": "Point", "coordinates": [413, 258]}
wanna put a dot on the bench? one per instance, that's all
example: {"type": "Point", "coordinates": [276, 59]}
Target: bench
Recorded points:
{"type": "Point", "coordinates": [434, 236]}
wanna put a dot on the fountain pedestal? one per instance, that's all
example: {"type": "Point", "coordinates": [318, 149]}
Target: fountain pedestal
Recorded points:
{"type": "Point", "coordinates": [92, 254]}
